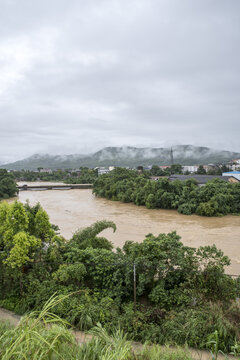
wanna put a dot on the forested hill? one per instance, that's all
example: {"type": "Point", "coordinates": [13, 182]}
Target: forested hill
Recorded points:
{"type": "Point", "coordinates": [127, 156]}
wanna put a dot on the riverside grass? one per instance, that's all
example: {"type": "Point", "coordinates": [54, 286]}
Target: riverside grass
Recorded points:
{"type": "Point", "coordinates": [57, 343]}
{"type": "Point", "coordinates": [45, 336]}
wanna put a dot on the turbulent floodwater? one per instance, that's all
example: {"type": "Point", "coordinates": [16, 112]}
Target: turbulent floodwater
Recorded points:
{"type": "Point", "coordinates": [73, 209]}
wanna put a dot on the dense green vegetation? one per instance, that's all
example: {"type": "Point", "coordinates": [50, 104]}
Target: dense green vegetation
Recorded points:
{"type": "Point", "coordinates": [7, 185]}
{"type": "Point", "coordinates": [44, 335]}
{"type": "Point", "coordinates": [183, 294]}
{"type": "Point", "coordinates": [216, 198]}
{"type": "Point", "coordinates": [87, 176]}
{"type": "Point", "coordinates": [81, 176]}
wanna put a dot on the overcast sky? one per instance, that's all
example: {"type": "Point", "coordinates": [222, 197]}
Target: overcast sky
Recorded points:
{"type": "Point", "coordinates": [77, 75]}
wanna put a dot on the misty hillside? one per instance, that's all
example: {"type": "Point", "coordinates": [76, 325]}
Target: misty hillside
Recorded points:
{"type": "Point", "coordinates": [127, 156]}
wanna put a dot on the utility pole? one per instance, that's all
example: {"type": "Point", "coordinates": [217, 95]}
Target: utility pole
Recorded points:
{"type": "Point", "coordinates": [134, 287]}
{"type": "Point", "coordinates": [171, 152]}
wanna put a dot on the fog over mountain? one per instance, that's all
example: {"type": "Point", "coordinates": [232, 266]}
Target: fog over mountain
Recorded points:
{"type": "Point", "coordinates": [127, 156]}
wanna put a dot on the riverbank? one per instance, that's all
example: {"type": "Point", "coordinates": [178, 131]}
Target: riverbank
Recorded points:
{"type": "Point", "coordinates": [73, 209]}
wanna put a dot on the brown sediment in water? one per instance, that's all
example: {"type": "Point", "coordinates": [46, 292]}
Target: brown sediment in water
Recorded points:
{"type": "Point", "coordinates": [73, 209]}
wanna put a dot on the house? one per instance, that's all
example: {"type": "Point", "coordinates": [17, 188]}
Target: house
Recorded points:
{"type": "Point", "coordinates": [235, 167]}
{"type": "Point", "coordinates": [102, 170]}
{"type": "Point", "coordinates": [232, 174]}
{"type": "Point", "coordinates": [210, 167]}
{"type": "Point", "coordinates": [44, 170]}
{"type": "Point", "coordinates": [201, 179]}
{"type": "Point", "coordinates": [156, 178]}
{"type": "Point", "coordinates": [191, 168]}
{"type": "Point", "coordinates": [164, 167]}
{"type": "Point", "coordinates": [236, 161]}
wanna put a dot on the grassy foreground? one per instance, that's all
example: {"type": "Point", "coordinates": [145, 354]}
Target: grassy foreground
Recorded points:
{"type": "Point", "coordinates": [45, 336]}
{"type": "Point", "coordinates": [34, 341]}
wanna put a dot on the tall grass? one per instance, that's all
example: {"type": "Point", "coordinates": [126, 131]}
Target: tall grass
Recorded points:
{"type": "Point", "coordinates": [44, 336]}
{"type": "Point", "coordinates": [164, 353]}
{"type": "Point", "coordinates": [39, 336]}
{"type": "Point", "coordinates": [106, 347]}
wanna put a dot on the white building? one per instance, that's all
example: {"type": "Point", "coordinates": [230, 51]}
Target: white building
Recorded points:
{"type": "Point", "coordinates": [235, 167]}
{"type": "Point", "coordinates": [44, 170]}
{"type": "Point", "coordinates": [190, 168]}
{"type": "Point", "coordinates": [102, 171]}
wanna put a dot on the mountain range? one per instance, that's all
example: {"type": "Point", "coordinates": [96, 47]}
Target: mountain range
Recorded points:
{"type": "Point", "coordinates": [126, 156]}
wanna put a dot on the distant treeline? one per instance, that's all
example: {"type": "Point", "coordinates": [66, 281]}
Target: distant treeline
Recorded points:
{"type": "Point", "coordinates": [85, 175]}
{"type": "Point", "coordinates": [81, 176]}
{"type": "Point", "coordinates": [7, 185]}
{"type": "Point", "coordinates": [182, 293]}
{"type": "Point", "coordinates": [216, 198]}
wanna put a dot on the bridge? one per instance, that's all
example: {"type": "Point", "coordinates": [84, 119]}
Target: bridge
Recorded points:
{"type": "Point", "coordinates": [54, 187]}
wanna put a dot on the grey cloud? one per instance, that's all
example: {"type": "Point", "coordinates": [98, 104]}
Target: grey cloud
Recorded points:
{"type": "Point", "coordinates": [76, 76]}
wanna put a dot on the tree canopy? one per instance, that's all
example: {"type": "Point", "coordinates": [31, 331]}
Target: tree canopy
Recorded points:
{"type": "Point", "coordinates": [183, 293]}
{"type": "Point", "coordinates": [7, 185]}
{"type": "Point", "coordinates": [216, 198]}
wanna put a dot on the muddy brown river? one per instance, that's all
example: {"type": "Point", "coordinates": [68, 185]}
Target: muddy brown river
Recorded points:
{"type": "Point", "coordinates": [74, 209]}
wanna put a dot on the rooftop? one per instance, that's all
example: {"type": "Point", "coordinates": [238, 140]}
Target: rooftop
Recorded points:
{"type": "Point", "coordinates": [201, 179]}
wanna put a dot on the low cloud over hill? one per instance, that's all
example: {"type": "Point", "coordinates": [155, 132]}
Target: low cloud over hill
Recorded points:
{"type": "Point", "coordinates": [127, 156]}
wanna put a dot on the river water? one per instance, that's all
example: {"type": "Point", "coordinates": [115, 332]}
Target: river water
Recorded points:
{"type": "Point", "coordinates": [74, 209]}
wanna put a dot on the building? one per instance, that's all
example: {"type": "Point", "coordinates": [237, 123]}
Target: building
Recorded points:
{"type": "Point", "coordinates": [156, 178]}
{"type": "Point", "coordinates": [233, 174]}
{"type": "Point", "coordinates": [235, 167]}
{"type": "Point", "coordinates": [210, 167]}
{"type": "Point", "coordinates": [44, 170]}
{"type": "Point", "coordinates": [236, 161]}
{"type": "Point", "coordinates": [102, 170]}
{"type": "Point", "coordinates": [201, 179]}
{"type": "Point", "coordinates": [190, 168]}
